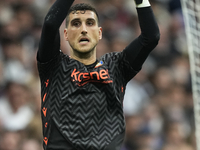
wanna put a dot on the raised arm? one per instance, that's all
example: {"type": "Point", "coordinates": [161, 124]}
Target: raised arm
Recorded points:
{"type": "Point", "coordinates": [49, 45]}
{"type": "Point", "coordinates": [138, 50]}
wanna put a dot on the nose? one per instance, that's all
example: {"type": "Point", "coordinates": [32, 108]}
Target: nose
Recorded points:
{"type": "Point", "coordinates": [84, 29]}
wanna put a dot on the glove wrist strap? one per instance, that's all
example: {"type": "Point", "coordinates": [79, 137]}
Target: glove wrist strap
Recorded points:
{"type": "Point", "coordinates": [145, 3]}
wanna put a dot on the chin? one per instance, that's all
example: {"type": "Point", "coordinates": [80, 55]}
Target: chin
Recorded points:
{"type": "Point", "coordinates": [85, 50]}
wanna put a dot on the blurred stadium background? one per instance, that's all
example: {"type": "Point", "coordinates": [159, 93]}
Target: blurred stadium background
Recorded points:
{"type": "Point", "coordinates": [158, 104]}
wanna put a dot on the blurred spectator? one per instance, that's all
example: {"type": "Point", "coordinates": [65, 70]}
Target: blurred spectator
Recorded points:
{"type": "Point", "coordinates": [135, 98]}
{"type": "Point", "coordinates": [10, 140]}
{"type": "Point", "coordinates": [162, 79]}
{"type": "Point", "coordinates": [31, 144]}
{"type": "Point", "coordinates": [15, 114]}
{"type": "Point", "coordinates": [175, 137]}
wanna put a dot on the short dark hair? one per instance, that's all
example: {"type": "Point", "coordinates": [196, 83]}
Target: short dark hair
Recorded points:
{"type": "Point", "coordinates": [82, 7]}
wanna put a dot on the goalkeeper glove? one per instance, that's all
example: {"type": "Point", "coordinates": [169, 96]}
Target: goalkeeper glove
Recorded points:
{"type": "Point", "coordinates": [142, 3]}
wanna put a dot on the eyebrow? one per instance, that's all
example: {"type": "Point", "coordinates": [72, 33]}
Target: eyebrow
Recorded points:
{"type": "Point", "coordinates": [88, 19]}
{"type": "Point", "coordinates": [76, 19]}
{"type": "Point", "coordinates": [91, 19]}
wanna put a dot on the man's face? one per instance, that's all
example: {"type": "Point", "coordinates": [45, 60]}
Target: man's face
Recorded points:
{"type": "Point", "coordinates": [83, 32]}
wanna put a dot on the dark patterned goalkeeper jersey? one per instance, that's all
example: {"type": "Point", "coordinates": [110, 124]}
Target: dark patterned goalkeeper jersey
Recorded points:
{"type": "Point", "coordinates": [84, 104]}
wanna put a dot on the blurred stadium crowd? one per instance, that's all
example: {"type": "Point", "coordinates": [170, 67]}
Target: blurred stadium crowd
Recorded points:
{"type": "Point", "coordinates": [158, 104]}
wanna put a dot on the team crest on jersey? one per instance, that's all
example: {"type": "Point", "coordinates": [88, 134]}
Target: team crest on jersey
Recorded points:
{"type": "Point", "coordinates": [99, 76]}
{"type": "Point", "coordinates": [100, 63]}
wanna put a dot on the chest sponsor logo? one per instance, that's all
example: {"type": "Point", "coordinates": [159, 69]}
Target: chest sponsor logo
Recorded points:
{"type": "Point", "coordinates": [82, 78]}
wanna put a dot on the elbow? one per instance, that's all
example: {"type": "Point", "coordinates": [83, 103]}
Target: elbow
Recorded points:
{"type": "Point", "coordinates": [152, 40]}
{"type": "Point", "coordinates": [156, 38]}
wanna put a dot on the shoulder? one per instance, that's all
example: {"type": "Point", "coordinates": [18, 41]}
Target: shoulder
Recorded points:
{"type": "Point", "coordinates": [114, 56]}
{"type": "Point", "coordinates": [51, 65]}
{"type": "Point", "coordinates": [59, 57]}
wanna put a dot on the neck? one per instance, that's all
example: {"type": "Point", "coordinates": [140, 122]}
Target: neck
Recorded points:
{"type": "Point", "coordinates": [85, 58]}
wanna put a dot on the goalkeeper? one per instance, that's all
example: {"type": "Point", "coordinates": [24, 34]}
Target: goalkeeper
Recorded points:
{"type": "Point", "coordinates": [82, 96]}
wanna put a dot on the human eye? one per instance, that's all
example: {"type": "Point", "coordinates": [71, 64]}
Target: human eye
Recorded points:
{"type": "Point", "coordinates": [76, 23]}
{"type": "Point", "coordinates": [90, 23]}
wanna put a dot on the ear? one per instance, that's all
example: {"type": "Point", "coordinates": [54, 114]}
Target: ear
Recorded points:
{"type": "Point", "coordinates": [100, 33]}
{"type": "Point", "coordinates": [65, 34]}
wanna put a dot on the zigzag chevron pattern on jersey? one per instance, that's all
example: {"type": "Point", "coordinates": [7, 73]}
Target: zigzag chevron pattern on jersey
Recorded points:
{"type": "Point", "coordinates": [89, 116]}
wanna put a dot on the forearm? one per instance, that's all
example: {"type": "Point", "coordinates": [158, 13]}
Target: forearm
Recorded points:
{"type": "Point", "coordinates": [148, 24]}
{"type": "Point", "coordinates": [57, 13]}
{"type": "Point", "coordinates": [50, 38]}
{"type": "Point", "coordinates": [138, 50]}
